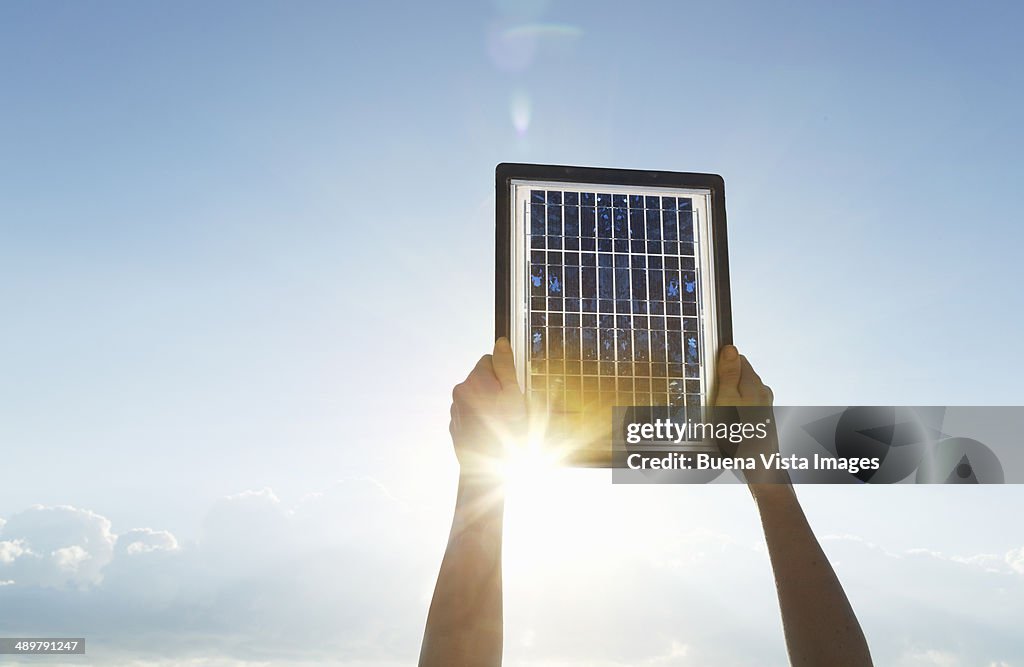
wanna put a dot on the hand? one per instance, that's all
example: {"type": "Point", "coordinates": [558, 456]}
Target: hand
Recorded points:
{"type": "Point", "coordinates": [741, 387]}
{"type": "Point", "coordinates": [738, 383]}
{"type": "Point", "coordinates": [488, 412]}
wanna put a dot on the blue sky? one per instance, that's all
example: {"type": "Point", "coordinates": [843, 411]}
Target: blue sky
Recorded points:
{"type": "Point", "coordinates": [246, 249]}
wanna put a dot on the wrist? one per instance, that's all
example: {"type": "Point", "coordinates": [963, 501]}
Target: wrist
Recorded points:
{"type": "Point", "coordinates": [772, 493]}
{"type": "Point", "coordinates": [473, 479]}
{"type": "Point", "coordinates": [480, 499]}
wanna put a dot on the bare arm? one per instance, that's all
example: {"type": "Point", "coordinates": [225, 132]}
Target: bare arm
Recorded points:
{"type": "Point", "coordinates": [464, 624]}
{"type": "Point", "coordinates": [819, 623]}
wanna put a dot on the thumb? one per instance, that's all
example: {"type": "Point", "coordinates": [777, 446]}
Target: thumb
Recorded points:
{"type": "Point", "coordinates": [730, 368]}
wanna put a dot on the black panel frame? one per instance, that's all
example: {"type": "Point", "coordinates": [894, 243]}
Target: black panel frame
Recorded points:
{"type": "Point", "coordinates": [506, 172]}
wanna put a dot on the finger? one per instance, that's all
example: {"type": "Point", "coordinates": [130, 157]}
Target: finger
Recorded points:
{"type": "Point", "coordinates": [748, 370]}
{"type": "Point", "coordinates": [482, 374]}
{"type": "Point", "coordinates": [750, 384]}
{"type": "Point", "coordinates": [504, 364]}
{"type": "Point", "coordinates": [454, 425]}
{"type": "Point", "coordinates": [729, 372]}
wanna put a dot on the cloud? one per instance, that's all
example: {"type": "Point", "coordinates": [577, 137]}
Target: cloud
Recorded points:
{"type": "Point", "coordinates": [929, 658]}
{"type": "Point", "coordinates": [262, 581]}
{"type": "Point", "coordinates": [145, 540]}
{"type": "Point", "coordinates": [245, 532]}
{"type": "Point", "coordinates": [344, 576]}
{"type": "Point", "coordinates": [942, 658]}
{"type": "Point", "coordinates": [10, 550]}
{"type": "Point", "coordinates": [70, 558]}
{"type": "Point", "coordinates": [1015, 560]}
{"type": "Point", "coordinates": [950, 610]}
{"type": "Point", "coordinates": [56, 546]}
{"type": "Point", "coordinates": [676, 655]}
{"type": "Point", "coordinates": [1010, 562]}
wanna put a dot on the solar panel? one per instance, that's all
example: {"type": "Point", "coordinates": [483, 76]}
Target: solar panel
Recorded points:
{"type": "Point", "coordinates": [612, 286]}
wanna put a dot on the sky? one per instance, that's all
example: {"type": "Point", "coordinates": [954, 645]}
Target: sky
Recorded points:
{"type": "Point", "coordinates": [246, 249]}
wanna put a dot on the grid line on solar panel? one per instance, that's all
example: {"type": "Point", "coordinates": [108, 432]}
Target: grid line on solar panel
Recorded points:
{"type": "Point", "coordinates": [613, 254]}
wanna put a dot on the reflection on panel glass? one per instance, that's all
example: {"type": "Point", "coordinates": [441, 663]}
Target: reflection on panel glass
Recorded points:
{"type": "Point", "coordinates": [614, 299]}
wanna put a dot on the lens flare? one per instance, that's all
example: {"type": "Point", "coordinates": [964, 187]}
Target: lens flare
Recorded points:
{"type": "Point", "coordinates": [521, 112]}
{"type": "Point", "coordinates": [543, 30]}
{"type": "Point", "coordinates": [514, 48]}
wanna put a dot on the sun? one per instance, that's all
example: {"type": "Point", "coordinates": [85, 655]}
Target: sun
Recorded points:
{"type": "Point", "coordinates": [526, 461]}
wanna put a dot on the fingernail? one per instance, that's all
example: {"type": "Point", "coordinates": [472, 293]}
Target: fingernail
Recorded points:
{"type": "Point", "coordinates": [730, 353]}
{"type": "Point", "coordinates": [502, 342]}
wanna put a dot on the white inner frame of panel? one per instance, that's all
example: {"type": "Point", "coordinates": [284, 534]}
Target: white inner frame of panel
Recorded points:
{"type": "Point", "coordinates": [703, 243]}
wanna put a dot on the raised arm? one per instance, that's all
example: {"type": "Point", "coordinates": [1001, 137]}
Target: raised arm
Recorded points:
{"type": "Point", "coordinates": [464, 624]}
{"type": "Point", "coordinates": [819, 623]}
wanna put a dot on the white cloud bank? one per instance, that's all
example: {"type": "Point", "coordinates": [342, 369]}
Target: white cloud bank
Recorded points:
{"type": "Point", "coordinates": [344, 576]}
{"type": "Point", "coordinates": [262, 584]}
{"type": "Point", "coordinates": [55, 546]}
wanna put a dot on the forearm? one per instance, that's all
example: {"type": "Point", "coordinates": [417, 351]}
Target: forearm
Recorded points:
{"type": "Point", "coordinates": [819, 623]}
{"type": "Point", "coordinates": [464, 624]}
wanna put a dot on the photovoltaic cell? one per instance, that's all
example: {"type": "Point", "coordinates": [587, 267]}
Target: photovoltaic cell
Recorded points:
{"type": "Point", "coordinates": [613, 300]}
